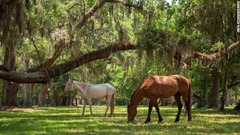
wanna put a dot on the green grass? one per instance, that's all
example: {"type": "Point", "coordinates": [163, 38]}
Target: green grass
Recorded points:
{"type": "Point", "coordinates": [67, 120]}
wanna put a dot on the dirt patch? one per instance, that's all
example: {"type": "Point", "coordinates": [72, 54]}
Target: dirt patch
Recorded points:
{"type": "Point", "coordinates": [12, 108]}
{"type": "Point", "coordinates": [230, 112]}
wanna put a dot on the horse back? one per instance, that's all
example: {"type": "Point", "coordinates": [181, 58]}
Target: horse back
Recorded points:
{"type": "Point", "coordinates": [110, 87]}
{"type": "Point", "coordinates": [183, 84]}
{"type": "Point", "coordinates": [159, 86]}
{"type": "Point", "coordinates": [165, 86]}
{"type": "Point", "coordinates": [101, 90]}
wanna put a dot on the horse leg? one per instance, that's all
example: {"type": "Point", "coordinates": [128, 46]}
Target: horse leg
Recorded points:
{"type": "Point", "coordinates": [111, 103]}
{"type": "Point", "coordinates": [179, 104]}
{"type": "Point", "coordinates": [158, 112]}
{"type": "Point", "coordinates": [90, 105]}
{"type": "Point", "coordinates": [149, 111]}
{"type": "Point", "coordinates": [84, 106]}
{"type": "Point", "coordinates": [108, 104]}
{"type": "Point", "coordinates": [188, 108]}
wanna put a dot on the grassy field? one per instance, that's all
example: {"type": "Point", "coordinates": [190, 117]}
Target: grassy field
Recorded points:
{"type": "Point", "coordinates": [67, 120]}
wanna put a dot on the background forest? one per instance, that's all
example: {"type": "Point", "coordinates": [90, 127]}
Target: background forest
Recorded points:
{"type": "Point", "coordinates": [46, 42]}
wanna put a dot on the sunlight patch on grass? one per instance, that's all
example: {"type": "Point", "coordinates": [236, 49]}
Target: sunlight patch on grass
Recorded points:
{"type": "Point", "coordinates": [16, 109]}
{"type": "Point", "coordinates": [68, 120]}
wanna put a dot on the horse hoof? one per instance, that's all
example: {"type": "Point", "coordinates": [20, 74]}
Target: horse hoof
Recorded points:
{"type": "Point", "coordinates": [133, 122]}
{"type": "Point", "coordinates": [147, 121]}
{"type": "Point", "coordinates": [160, 121]}
{"type": "Point", "coordinates": [176, 121]}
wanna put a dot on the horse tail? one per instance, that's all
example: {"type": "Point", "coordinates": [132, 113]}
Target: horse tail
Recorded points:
{"type": "Point", "coordinates": [112, 103]}
{"type": "Point", "coordinates": [189, 105]}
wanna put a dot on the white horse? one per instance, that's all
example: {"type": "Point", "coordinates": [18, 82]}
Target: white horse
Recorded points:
{"type": "Point", "coordinates": [93, 91]}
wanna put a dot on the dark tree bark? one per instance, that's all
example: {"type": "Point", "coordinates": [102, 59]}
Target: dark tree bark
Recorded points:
{"type": "Point", "coordinates": [42, 73]}
{"type": "Point", "coordinates": [224, 93]}
{"type": "Point", "coordinates": [56, 99]}
{"type": "Point", "coordinates": [28, 89]}
{"type": "Point", "coordinates": [63, 100]}
{"type": "Point", "coordinates": [10, 95]}
{"type": "Point", "coordinates": [231, 51]}
{"type": "Point", "coordinates": [6, 7]}
{"type": "Point", "coordinates": [42, 95]}
{"type": "Point", "coordinates": [69, 101]}
{"type": "Point", "coordinates": [10, 89]}
{"type": "Point", "coordinates": [237, 107]}
{"type": "Point", "coordinates": [214, 94]}
{"type": "Point", "coordinates": [202, 99]}
{"type": "Point", "coordinates": [45, 71]}
{"type": "Point", "coordinates": [45, 74]}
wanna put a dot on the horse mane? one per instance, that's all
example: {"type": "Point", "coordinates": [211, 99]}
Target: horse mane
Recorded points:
{"type": "Point", "coordinates": [135, 91]}
{"type": "Point", "coordinates": [85, 84]}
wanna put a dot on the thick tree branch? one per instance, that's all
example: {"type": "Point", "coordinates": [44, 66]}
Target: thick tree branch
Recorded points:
{"type": "Point", "coordinates": [231, 85]}
{"type": "Point", "coordinates": [92, 10]}
{"type": "Point", "coordinates": [49, 61]}
{"type": "Point", "coordinates": [6, 7]}
{"type": "Point", "coordinates": [33, 75]}
{"type": "Point", "coordinates": [60, 40]}
{"type": "Point", "coordinates": [138, 7]}
{"type": "Point", "coordinates": [232, 49]}
{"type": "Point", "coordinates": [202, 56]}
{"type": "Point", "coordinates": [46, 74]}
{"type": "Point", "coordinates": [92, 56]}
{"type": "Point", "coordinates": [36, 48]}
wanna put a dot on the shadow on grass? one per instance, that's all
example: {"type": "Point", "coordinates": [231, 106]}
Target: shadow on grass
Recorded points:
{"type": "Point", "coordinates": [67, 120]}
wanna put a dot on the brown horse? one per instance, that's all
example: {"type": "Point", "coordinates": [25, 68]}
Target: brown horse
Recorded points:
{"type": "Point", "coordinates": [155, 87]}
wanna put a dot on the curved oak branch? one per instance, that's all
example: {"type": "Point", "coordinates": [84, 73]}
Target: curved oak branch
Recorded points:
{"type": "Point", "coordinates": [45, 74]}
{"type": "Point", "coordinates": [232, 49]}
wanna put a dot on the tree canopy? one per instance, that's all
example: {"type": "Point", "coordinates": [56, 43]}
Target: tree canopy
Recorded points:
{"type": "Point", "coordinates": [42, 40]}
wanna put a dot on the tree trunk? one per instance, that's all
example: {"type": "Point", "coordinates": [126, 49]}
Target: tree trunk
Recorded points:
{"type": "Point", "coordinates": [4, 95]}
{"type": "Point", "coordinates": [224, 93]}
{"type": "Point", "coordinates": [28, 88]}
{"type": "Point", "coordinates": [71, 99]}
{"type": "Point", "coordinates": [202, 98]}
{"type": "Point", "coordinates": [63, 100]}
{"type": "Point", "coordinates": [205, 91]}
{"type": "Point", "coordinates": [10, 94]}
{"type": "Point", "coordinates": [42, 95]}
{"type": "Point", "coordinates": [55, 98]}
{"type": "Point", "coordinates": [237, 107]}
{"type": "Point", "coordinates": [45, 74]}
{"type": "Point", "coordinates": [214, 94]}
{"type": "Point", "coordinates": [10, 89]}
{"type": "Point", "coordinates": [76, 101]}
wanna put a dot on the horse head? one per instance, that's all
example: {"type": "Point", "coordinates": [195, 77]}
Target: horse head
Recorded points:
{"type": "Point", "coordinates": [132, 111]}
{"type": "Point", "coordinates": [68, 86]}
